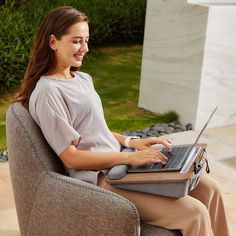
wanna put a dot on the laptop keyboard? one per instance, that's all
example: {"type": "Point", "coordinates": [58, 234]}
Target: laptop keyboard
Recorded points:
{"type": "Point", "coordinates": [175, 159]}
{"type": "Point", "coordinates": [175, 162]}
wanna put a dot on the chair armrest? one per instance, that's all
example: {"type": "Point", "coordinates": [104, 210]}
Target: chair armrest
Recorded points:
{"type": "Point", "coordinates": [67, 206]}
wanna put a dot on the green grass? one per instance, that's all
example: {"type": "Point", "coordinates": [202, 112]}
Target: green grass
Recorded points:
{"type": "Point", "coordinates": [3, 108]}
{"type": "Point", "coordinates": [116, 75]}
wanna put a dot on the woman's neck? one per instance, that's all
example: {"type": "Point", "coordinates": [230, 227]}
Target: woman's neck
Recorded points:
{"type": "Point", "coordinates": [65, 74]}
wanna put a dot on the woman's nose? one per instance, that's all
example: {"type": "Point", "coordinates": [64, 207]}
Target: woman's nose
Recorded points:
{"type": "Point", "coordinates": [84, 48]}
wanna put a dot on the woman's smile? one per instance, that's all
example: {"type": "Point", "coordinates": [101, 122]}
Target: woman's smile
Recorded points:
{"type": "Point", "coordinates": [79, 57]}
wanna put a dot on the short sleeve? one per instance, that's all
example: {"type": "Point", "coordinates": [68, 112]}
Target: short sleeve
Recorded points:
{"type": "Point", "coordinates": [52, 116]}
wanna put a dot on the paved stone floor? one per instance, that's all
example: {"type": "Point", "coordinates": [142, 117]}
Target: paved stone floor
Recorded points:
{"type": "Point", "coordinates": [222, 159]}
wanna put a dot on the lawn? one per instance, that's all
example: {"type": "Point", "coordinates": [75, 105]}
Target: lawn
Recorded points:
{"type": "Point", "coordinates": [116, 74]}
{"type": "Point", "coordinates": [3, 109]}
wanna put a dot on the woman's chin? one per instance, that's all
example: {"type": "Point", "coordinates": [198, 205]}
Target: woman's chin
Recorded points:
{"type": "Point", "coordinates": [77, 64]}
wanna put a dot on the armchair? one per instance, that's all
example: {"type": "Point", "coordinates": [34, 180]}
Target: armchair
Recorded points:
{"type": "Point", "coordinates": [50, 203]}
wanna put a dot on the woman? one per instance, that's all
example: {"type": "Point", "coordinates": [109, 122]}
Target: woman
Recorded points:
{"type": "Point", "coordinates": [64, 104]}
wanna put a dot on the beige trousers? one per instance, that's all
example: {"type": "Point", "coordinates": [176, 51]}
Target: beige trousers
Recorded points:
{"type": "Point", "coordinates": [201, 213]}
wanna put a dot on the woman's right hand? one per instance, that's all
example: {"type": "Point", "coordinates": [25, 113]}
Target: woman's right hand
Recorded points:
{"type": "Point", "coordinates": [146, 156]}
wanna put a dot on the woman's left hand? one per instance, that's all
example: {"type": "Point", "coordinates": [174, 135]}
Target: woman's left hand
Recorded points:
{"type": "Point", "coordinates": [141, 144]}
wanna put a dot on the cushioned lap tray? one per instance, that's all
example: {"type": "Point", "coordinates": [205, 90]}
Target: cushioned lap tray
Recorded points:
{"type": "Point", "coordinates": [170, 184]}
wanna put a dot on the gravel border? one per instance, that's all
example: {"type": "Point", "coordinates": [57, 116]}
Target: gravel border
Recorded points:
{"type": "Point", "coordinates": [159, 129]}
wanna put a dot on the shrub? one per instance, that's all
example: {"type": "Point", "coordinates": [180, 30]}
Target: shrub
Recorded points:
{"type": "Point", "coordinates": [111, 22]}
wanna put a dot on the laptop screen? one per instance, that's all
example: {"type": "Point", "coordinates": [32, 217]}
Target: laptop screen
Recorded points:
{"type": "Point", "coordinates": [204, 127]}
{"type": "Point", "coordinates": [192, 151]}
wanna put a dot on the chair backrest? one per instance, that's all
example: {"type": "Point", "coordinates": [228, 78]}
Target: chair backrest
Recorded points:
{"type": "Point", "coordinates": [30, 157]}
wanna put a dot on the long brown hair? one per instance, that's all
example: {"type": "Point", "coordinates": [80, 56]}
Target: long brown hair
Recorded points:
{"type": "Point", "coordinates": [42, 57]}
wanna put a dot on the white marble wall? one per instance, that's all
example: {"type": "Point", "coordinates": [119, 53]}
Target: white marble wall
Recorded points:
{"type": "Point", "coordinates": [186, 69]}
{"type": "Point", "coordinates": [218, 83]}
{"type": "Point", "coordinates": [172, 57]}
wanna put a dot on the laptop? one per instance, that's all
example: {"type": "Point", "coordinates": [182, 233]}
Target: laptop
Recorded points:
{"type": "Point", "coordinates": [180, 159]}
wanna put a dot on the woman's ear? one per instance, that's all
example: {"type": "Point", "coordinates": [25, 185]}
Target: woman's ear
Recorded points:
{"type": "Point", "coordinates": [52, 42]}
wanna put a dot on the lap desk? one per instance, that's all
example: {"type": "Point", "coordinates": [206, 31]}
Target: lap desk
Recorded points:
{"type": "Point", "coordinates": [168, 183]}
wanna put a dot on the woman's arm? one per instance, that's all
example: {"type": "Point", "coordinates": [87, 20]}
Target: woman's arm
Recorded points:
{"type": "Point", "coordinates": [141, 144]}
{"type": "Point", "coordinates": [73, 158]}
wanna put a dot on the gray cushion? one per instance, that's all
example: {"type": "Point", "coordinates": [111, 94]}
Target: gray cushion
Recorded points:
{"type": "Point", "coordinates": [152, 230]}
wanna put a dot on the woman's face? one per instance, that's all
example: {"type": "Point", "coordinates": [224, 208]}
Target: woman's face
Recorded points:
{"type": "Point", "coordinates": [72, 47]}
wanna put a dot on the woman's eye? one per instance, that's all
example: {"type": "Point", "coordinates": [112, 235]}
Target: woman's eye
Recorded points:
{"type": "Point", "coordinates": [79, 41]}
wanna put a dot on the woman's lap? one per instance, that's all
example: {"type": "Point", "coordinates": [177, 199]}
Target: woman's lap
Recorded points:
{"type": "Point", "coordinates": [166, 211]}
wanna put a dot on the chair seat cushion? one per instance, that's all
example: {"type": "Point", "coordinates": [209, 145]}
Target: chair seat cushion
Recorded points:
{"type": "Point", "coordinates": [149, 230]}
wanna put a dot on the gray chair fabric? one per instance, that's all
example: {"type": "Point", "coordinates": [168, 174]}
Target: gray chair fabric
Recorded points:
{"type": "Point", "coordinates": [50, 203]}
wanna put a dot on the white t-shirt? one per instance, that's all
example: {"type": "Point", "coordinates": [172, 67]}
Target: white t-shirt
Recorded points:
{"type": "Point", "coordinates": [70, 111]}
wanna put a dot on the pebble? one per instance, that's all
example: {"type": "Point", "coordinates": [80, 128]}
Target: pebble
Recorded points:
{"type": "Point", "coordinates": [153, 131]}
{"type": "Point", "coordinates": [3, 156]}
